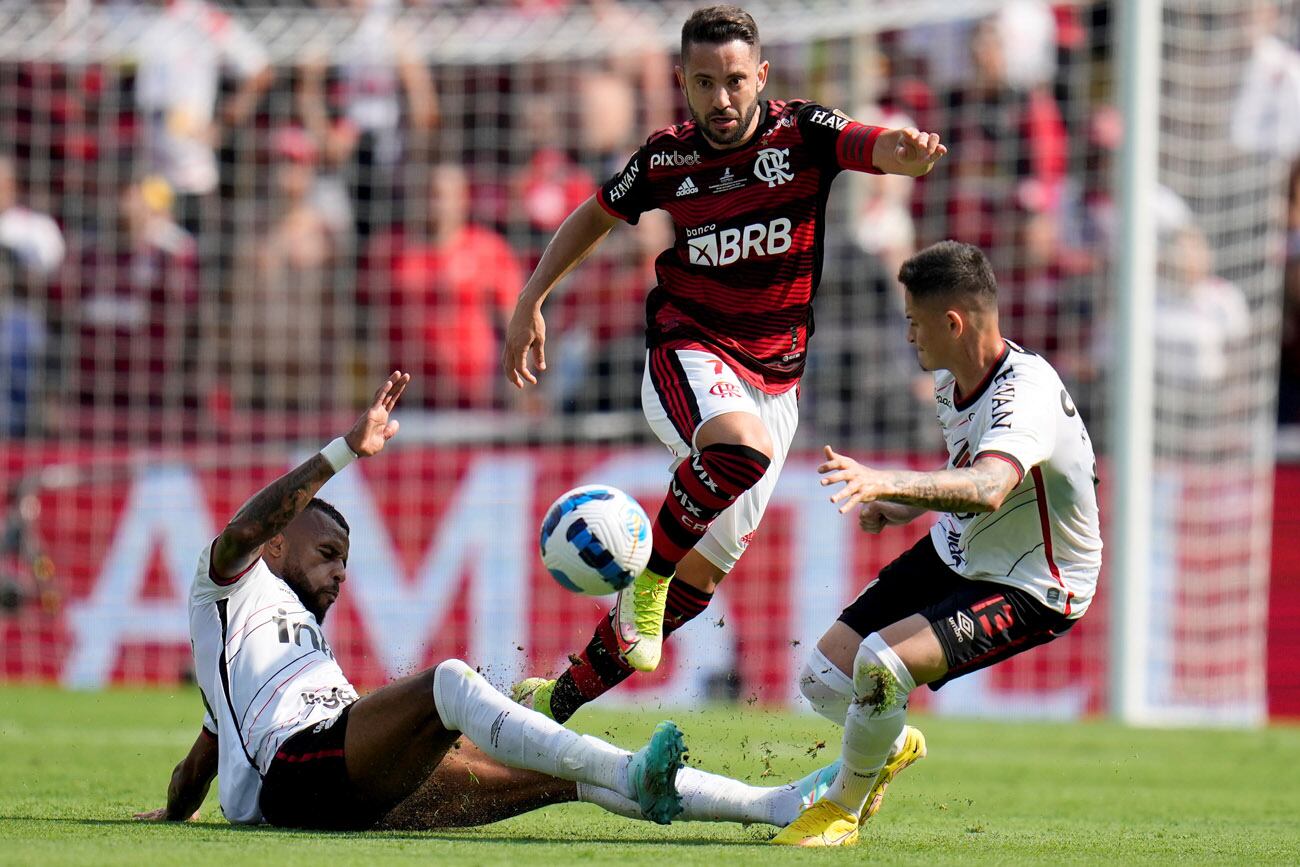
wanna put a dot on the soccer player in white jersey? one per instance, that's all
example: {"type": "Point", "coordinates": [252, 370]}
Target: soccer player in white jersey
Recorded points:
{"type": "Point", "coordinates": [294, 745]}
{"type": "Point", "coordinates": [1011, 562]}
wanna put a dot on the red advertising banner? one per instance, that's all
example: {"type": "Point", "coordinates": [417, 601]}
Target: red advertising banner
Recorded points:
{"type": "Point", "coordinates": [445, 563]}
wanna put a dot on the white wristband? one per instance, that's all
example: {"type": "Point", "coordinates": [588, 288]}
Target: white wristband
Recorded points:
{"type": "Point", "coordinates": [338, 454]}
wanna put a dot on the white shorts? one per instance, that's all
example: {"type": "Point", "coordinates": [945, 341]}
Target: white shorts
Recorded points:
{"type": "Point", "coordinates": [684, 388]}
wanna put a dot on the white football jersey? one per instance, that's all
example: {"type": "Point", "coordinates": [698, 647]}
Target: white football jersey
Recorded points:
{"type": "Point", "coordinates": [1046, 536]}
{"type": "Point", "coordinates": [266, 672]}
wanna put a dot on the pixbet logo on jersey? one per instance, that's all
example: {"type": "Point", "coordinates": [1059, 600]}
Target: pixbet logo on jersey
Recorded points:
{"type": "Point", "coordinates": [672, 158]}
{"type": "Point", "coordinates": [709, 247]}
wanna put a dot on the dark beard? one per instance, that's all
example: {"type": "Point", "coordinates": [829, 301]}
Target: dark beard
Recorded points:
{"type": "Point", "coordinates": [311, 603]}
{"type": "Point", "coordinates": [741, 128]}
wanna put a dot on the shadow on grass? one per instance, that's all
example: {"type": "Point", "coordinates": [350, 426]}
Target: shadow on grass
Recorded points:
{"type": "Point", "coordinates": [450, 835]}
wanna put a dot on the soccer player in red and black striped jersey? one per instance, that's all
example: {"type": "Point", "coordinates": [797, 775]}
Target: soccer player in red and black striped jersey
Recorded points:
{"type": "Point", "coordinates": [727, 327]}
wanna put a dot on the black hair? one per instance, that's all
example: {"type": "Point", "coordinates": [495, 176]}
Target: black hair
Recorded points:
{"type": "Point", "coordinates": [950, 270]}
{"type": "Point", "coordinates": [321, 506]}
{"type": "Point", "coordinates": [718, 25]}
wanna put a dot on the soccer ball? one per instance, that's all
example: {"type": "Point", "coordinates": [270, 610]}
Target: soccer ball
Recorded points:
{"type": "Point", "coordinates": [595, 540]}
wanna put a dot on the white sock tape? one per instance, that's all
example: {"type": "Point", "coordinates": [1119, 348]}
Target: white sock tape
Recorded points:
{"type": "Point", "coordinates": [338, 454]}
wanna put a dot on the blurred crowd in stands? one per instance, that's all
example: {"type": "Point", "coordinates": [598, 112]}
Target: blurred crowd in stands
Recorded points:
{"type": "Point", "coordinates": [204, 233]}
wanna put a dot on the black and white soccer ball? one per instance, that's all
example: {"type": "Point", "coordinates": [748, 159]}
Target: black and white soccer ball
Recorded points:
{"type": "Point", "coordinates": [595, 540]}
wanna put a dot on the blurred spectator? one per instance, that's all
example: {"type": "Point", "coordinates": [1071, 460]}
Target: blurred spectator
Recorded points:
{"type": "Point", "coordinates": [358, 121]}
{"type": "Point", "coordinates": [1024, 29]}
{"type": "Point", "coordinates": [290, 345]}
{"type": "Point", "coordinates": [448, 289]}
{"type": "Point", "coordinates": [631, 91]}
{"type": "Point", "coordinates": [130, 303]}
{"type": "Point", "coordinates": [1027, 32]}
{"type": "Point", "coordinates": [860, 357]}
{"type": "Point", "coordinates": [551, 184]}
{"type": "Point", "coordinates": [882, 222]}
{"type": "Point", "coordinates": [1202, 331]}
{"type": "Point", "coordinates": [31, 251]}
{"type": "Point", "coordinates": [31, 240]}
{"type": "Point", "coordinates": [1266, 117]}
{"type": "Point", "coordinates": [1003, 194]}
{"type": "Point", "coordinates": [181, 56]}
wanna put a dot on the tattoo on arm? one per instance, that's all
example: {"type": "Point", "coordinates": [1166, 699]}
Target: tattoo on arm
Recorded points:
{"type": "Point", "coordinates": [268, 512]}
{"type": "Point", "coordinates": [971, 489]}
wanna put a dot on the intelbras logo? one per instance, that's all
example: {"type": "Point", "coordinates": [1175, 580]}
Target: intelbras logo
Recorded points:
{"type": "Point", "coordinates": [709, 246]}
{"type": "Point", "coordinates": [673, 159]}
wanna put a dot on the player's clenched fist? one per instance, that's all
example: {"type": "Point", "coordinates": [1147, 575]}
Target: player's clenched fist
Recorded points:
{"type": "Point", "coordinates": [872, 518]}
{"type": "Point", "coordinates": [908, 151]}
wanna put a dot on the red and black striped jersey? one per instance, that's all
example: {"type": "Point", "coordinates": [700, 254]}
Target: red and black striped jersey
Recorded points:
{"type": "Point", "coordinates": [741, 276]}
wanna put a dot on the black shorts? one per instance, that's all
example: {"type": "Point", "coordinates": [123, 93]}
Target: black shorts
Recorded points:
{"type": "Point", "coordinates": [307, 785]}
{"type": "Point", "coordinates": [978, 623]}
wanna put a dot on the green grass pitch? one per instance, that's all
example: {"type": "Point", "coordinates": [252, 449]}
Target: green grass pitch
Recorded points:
{"type": "Point", "coordinates": [73, 767]}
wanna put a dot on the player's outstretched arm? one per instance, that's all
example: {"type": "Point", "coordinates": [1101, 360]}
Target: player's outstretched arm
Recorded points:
{"type": "Point", "coordinates": [980, 487]}
{"type": "Point", "coordinates": [272, 508]}
{"type": "Point", "coordinates": [577, 236]}
{"type": "Point", "coordinates": [907, 151]}
{"type": "Point", "coordinates": [189, 784]}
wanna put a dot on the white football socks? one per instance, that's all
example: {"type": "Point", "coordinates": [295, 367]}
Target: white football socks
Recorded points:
{"type": "Point", "coordinates": [522, 738]}
{"type": "Point", "coordinates": [873, 726]}
{"type": "Point", "coordinates": [711, 798]}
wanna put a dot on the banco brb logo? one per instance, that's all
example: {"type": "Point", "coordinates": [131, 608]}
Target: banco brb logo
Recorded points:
{"type": "Point", "coordinates": [732, 245]}
{"type": "Point", "coordinates": [773, 166]}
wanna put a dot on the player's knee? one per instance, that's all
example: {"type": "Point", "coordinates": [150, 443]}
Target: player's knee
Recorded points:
{"type": "Point", "coordinates": [737, 429]}
{"type": "Point", "coordinates": [754, 436]}
{"type": "Point", "coordinates": [453, 667]}
{"type": "Point", "coordinates": [880, 678]}
{"type": "Point", "coordinates": [827, 690]}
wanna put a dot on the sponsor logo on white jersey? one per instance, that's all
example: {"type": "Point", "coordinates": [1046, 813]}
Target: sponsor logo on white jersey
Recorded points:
{"type": "Point", "coordinates": [673, 158]}
{"type": "Point", "coordinates": [773, 166]}
{"type": "Point", "coordinates": [687, 188]}
{"type": "Point", "coordinates": [732, 245]}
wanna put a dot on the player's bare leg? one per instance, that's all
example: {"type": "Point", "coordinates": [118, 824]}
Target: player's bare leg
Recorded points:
{"type": "Point", "coordinates": [398, 734]}
{"type": "Point", "coordinates": [731, 453]}
{"type": "Point", "coordinates": [395, 739]}
{"type": "Point", "coordinates": [600, 667]}
{"type": "Point", "coordinates": [470, 788]}
{"type": "Point", "coordinates": [886, 666]}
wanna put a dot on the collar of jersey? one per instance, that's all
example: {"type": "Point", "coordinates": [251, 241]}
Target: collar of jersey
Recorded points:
{"type": "Point", "coordinates": [966, 402]}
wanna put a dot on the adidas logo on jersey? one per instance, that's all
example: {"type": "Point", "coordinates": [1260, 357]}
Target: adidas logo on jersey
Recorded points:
{"type": "Point", "coordinates": [687, 188]}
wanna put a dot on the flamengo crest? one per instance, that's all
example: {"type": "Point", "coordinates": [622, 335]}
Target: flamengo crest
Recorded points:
{"type": "Point", "coordinates": [773, 166]}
